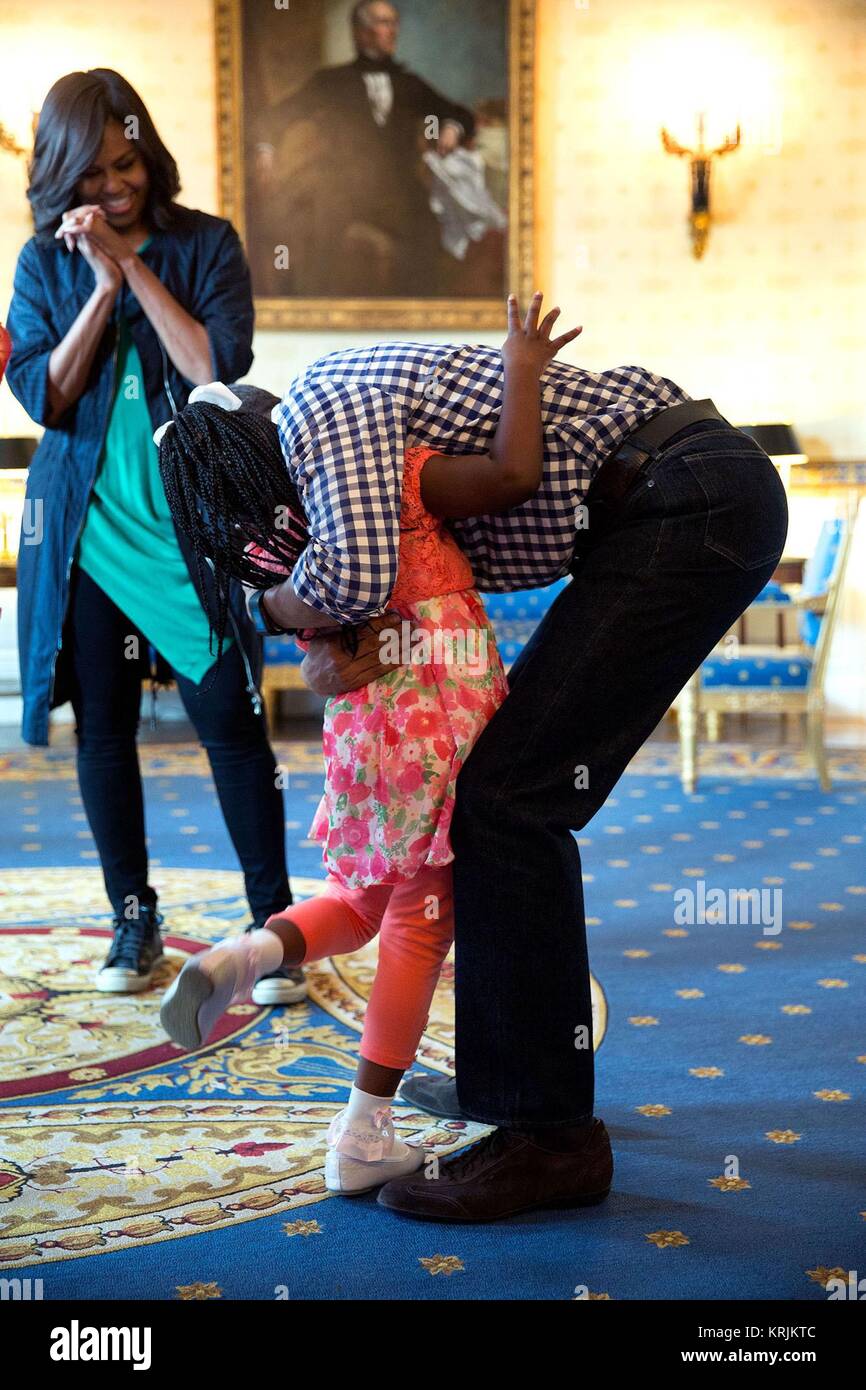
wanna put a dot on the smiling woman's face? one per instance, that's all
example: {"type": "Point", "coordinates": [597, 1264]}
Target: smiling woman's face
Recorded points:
{"type": "Point", "coordinates": [117, 180]}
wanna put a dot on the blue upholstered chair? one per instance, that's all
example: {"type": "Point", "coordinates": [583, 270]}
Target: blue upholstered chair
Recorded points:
{"type": "Point", "coordinates": [738, 678]}
{"type": "Point", "coordinates": [514, 617]}
{"type": "Point", "coordinates": [281, 671]}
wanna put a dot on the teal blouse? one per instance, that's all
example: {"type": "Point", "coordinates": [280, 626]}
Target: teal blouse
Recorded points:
{"type": "Point", "coordinates": [128, 544]}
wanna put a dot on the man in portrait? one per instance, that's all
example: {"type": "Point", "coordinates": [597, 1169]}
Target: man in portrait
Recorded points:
{"type": "Point", "coordinates": [340, 160]}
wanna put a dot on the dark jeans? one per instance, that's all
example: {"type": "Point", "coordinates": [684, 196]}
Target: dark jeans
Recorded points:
{"type": "Point", "coordinates": [655, 589]}
{"type": "Point", "coordinates": [106, 700]}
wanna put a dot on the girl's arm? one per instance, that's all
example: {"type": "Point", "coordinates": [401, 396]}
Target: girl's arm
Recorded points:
{"type": "Point", "coordinates": [479, 484]}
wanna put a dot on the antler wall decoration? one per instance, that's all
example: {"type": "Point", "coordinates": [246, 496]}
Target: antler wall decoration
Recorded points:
{"type": "Point", "coordinates": [701, 165]}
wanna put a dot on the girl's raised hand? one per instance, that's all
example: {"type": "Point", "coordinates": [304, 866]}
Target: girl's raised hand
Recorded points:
{"type": "Point", "coordinates": [529, 344]}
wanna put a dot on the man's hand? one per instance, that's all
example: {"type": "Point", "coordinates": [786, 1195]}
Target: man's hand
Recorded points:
{"type": "Point", "coordinates": [329, 669]}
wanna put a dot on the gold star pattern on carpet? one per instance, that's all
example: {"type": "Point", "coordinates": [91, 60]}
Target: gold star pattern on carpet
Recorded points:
{"type": "Point", "coordinates": [302, 1228]}
{"type": "Point", "coordinates": [823, 1276]}
{"type": "Point", "coordinates": [667, 1240]}
{"type": "Point", "coordinates": [441, 1264]}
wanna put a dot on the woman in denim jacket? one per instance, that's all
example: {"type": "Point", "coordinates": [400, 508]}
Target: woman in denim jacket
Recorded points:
{"type": "Point", "coordinates": [123, 302]}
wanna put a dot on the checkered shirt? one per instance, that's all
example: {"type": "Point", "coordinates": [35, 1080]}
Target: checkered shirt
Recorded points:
{"type": "Point", "coordinates": [345, 422]}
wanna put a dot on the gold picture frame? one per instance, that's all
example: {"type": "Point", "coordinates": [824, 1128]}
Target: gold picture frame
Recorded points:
{"type": "Point", "coordinates": [291, 312]}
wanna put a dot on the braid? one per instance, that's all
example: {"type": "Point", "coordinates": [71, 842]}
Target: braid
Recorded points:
{"type": "Point", "coordinates": [227, 485]}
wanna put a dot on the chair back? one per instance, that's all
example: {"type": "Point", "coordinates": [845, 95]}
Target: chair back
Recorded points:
{"type": "Point", "coordinates": [817, 575]}
{"type": "Point", "coordinates": [834, 587]}
{"type": "Point", "coordinates": [523, 605]}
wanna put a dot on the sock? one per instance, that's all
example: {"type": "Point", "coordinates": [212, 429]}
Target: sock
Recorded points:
{"type": "Point", "coordinates": [364, 1130]}
{"type": "Point", "coordinates": [267, 947]}
{"type": "Point", "coordinates": [363, 1104]}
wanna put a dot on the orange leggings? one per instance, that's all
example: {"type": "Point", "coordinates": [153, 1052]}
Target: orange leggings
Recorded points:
{"type": "Point", "coordinates": [416, 925]}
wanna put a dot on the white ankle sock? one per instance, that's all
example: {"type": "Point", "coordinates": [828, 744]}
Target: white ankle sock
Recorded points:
{"type": "Point", "coordinates": [355, 1131]}
{"type": "Point", "coordinates": [363, 1105]}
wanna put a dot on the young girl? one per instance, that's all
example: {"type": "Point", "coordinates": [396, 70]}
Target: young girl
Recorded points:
{"type": "Point", "coordinates": [393, 749]}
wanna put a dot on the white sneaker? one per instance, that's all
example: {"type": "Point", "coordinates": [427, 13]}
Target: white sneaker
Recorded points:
{"type": "Point", "coordinates": [351, 1176]}
{"type": "Point", "coordinates": [283, 986]}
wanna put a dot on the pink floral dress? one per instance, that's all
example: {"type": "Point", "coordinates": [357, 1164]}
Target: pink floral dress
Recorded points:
{"type": "Point", "coordinates": [394, 748]}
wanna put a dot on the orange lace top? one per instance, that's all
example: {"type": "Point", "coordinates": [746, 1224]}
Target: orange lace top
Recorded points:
{"type": "Point", "coordinates": [431, 562]}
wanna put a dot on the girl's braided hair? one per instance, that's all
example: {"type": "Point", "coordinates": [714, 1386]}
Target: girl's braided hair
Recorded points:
{"type": "Point", "coordinates": [227, 486]}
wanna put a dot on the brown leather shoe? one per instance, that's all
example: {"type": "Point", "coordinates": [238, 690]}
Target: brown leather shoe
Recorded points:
{"type": "Point", "coordinates": [506, 1173]}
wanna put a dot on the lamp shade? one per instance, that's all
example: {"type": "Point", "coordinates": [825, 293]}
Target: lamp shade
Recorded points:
{"type": "Point", "coordinates": [779, 441]}
{"type": "Point", "coordinates": [17, 451]}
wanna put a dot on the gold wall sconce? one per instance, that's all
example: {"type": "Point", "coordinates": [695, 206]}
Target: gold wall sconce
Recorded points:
{"type": "Point", "coordinates": [701, 165]}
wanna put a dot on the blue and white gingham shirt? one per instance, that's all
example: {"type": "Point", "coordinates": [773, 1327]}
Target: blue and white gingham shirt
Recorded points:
{"type": "Point", "coordinates": [346, 420]}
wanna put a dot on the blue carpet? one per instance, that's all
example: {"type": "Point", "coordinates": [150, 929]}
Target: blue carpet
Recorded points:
{"type": "Point", "coordinates": [730, 1066]}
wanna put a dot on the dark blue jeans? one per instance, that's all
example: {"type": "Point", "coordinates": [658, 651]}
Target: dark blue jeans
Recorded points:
{"type": "Point", "coordinates": [655, 588]}
{"type": "Point", "coordinates": [106, 700]}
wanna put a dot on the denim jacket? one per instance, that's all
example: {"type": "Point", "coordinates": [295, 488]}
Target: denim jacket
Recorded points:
{"type": "Point", "coordinates": [201, 262]}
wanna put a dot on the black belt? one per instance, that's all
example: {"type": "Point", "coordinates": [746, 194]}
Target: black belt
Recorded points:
{"type": "Point", "coordinates": [621, 469]}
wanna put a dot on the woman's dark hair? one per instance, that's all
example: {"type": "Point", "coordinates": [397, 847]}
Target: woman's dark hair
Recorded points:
{"type": "Point", "coordinates": [69, 136]}
{"type": "Point", "coordinates": [227, 486]}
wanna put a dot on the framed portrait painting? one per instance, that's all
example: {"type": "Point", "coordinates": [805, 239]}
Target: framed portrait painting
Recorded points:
{"type": "Point", "coordinates": [376, 157]}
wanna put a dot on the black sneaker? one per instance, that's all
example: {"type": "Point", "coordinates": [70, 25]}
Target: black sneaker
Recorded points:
{"type": "Point", "coordinates": [437, 1095]}
{"type": "Point", "coordinates": [135, 954]}
{"type": "Point", "coordinates": [283, 986]}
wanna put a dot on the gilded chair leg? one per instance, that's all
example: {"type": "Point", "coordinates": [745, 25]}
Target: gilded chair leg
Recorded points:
{"type": "Point", "coordinates": [815, 745]}
{"type": "Point", "coordinates": [714, 725]}
{"type": "Point", "coordinates": [687, 715]}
